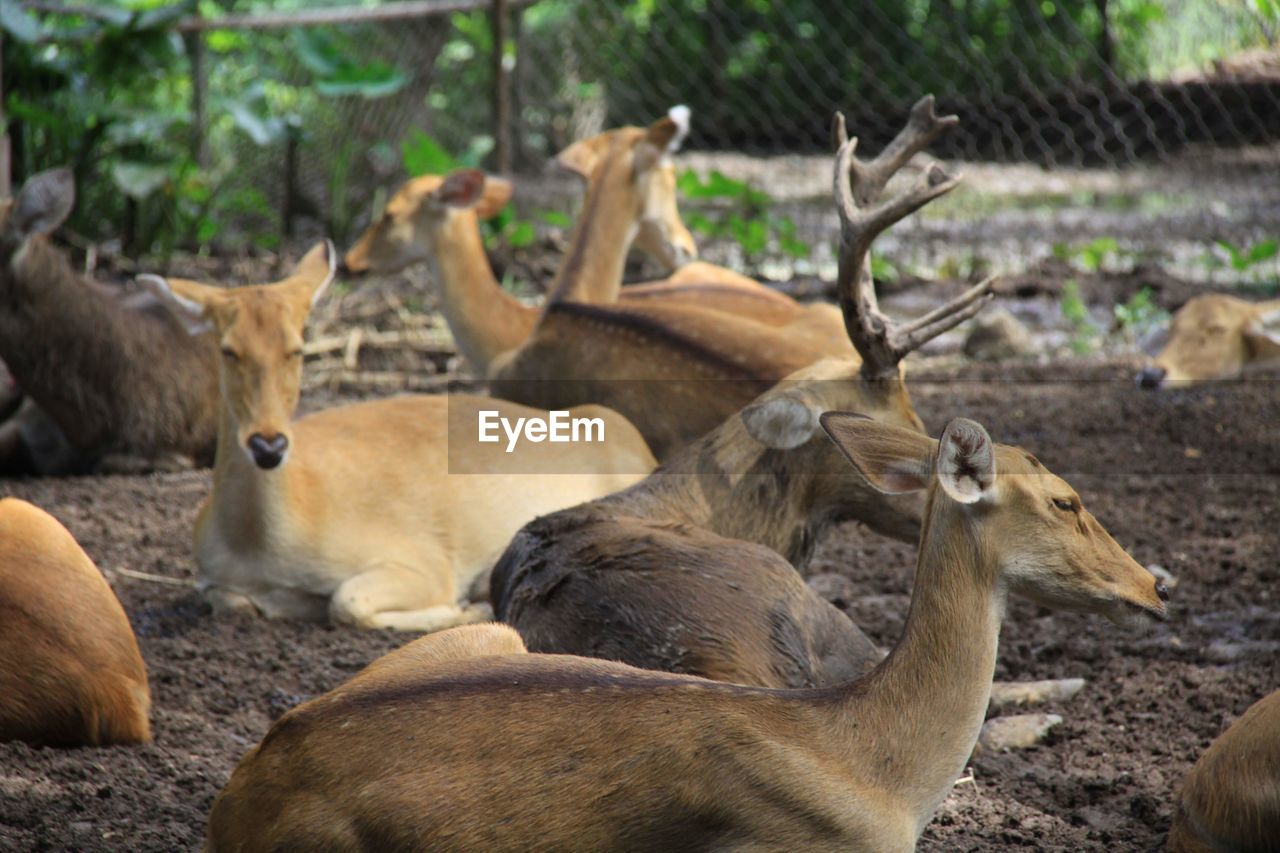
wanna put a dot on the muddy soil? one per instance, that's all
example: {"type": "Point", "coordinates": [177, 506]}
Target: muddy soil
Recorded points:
{"type": "Point", "coordinates": [1186, 480]}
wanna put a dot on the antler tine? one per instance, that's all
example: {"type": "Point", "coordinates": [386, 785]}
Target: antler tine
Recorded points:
{"type": "Point", "coordinates": [917, 333]}
{"type": "Point", "coordinates": [923, 126]}
{"type": "Point", "coordinates": [857, 186]}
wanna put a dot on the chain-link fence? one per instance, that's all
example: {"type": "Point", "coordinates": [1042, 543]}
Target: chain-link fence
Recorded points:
{"type": "Point", "coordinates": [303, 128]}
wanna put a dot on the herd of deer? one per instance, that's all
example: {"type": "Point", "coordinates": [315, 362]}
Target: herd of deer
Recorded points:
{"type": "Point", "coordinates": [717, 701]}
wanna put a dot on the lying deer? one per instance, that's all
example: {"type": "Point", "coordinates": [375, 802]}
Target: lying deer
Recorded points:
{"type": "Point", "coordinates": [352, 513]}
{"type": "Point", "coordinates": [128, 388]}
{"type": "Point", "coordinates": [70, 671]}
{"type": "Point", "coordinates": [694, 569]}
{"type": "Point", "coordinates": [1215, 337]}
{"type": "Point", "coordinates": [437, 218]}
{"type": "Point", "coordinates": [1231, 798]}
{"type": "Point", "coordinates": [477, 748]}
{"type": "Point", "coordinates": [677, 372]}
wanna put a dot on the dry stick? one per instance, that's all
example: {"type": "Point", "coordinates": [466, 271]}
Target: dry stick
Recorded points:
{"type": "Point", "coordinates": [150, 578]}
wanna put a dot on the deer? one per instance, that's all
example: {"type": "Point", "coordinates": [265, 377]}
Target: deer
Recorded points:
{"type": "Point", "coordinates": [649, 361]}
{"type": "Point", "coordinates": [695, 569]}
{"type": "Point", "coordinates": [474, 752]}
{"type": "Point", "coordinates": [117, 381]}
{"type": "Point", "coordinates": [1214, 336]}
{"type": "Point", "coordinates": [70, 670]}
{"type": "Point", "coordinates": [430, 218]}
{"type": "Point", "coordinates": [380, 514]}
{"type": "Point", "coordinates": [1230, 800]}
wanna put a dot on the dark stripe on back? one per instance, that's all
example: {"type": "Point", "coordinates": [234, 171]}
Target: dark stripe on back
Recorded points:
{"type": "Point", "coordinates": [655, 330]}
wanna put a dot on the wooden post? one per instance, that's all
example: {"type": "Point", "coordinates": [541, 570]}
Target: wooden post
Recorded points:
{"type": "Point", "coordinates": [501, 89]}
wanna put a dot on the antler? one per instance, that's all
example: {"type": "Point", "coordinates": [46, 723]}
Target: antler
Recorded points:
{"type": "Point", "coordinates": [857, 186]}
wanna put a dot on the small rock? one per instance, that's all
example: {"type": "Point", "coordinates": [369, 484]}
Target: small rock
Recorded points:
{"type": "Point", "coordinates": [1006, 693]}
{"type": "Point", "coordinates": [1016, 732]}
{"type": "Point", "coordinates": [996, 335]}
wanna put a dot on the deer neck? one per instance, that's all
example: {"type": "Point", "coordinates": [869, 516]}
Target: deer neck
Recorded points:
{"type": "Point", "coordinates": [731, 485]}
{"type": "Point", "coordinates": [592, 267]}
{"type": "Point", "coordinates": [64, 338]}
{"type": "Point", "coordinates": [250, 504]}
{"type": "Point", "coordinates": [485, 320]}
{"type": "Point", "coordinates": [911, 723]}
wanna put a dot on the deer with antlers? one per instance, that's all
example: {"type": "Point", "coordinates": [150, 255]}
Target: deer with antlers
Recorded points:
{"type": "Point", "coordinates": [652, 362]}
{"type": "Point", "coordinates": [694, 569]}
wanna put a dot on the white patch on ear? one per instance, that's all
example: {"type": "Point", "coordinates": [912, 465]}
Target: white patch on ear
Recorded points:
{"type": "Point", "coordinates": [680, 114]}
{"type": "Point", "coordinates": [332, 254]}
{"type": "Point", "coordinates": [188, 312]}
{"type": "Point", "coordinates": [966, 463]}
{"type": "Point", "coordinates": [784, 422]}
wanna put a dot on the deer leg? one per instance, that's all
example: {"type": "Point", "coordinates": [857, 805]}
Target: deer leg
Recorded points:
{"type": "Point", "coordinates": [397, 597]}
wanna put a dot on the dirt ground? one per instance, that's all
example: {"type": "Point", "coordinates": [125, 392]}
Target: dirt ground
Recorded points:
{"type": "Point", "coordinates": [1188, 480]}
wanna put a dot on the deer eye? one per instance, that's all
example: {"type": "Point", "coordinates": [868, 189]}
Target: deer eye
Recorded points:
{"type": "Point", "coordinates": [229, 354]}
{"type": "Point", "coordinates": [292, 354]}
{"type": "Point", "coordinates": [1065, 504]}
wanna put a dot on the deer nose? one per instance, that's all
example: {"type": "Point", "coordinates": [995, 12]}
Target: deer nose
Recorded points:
{"type": "Point", "coordinates": [1162, 591]}
{"type": "Point", "coordinates": [1151, 377]}
{"type": "Point", "coordinates": [268, 452]}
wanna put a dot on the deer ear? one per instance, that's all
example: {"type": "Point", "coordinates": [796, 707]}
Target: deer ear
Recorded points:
{"type": "Point", "coordinates": [892, 460]}
{"type": "Point", "coordinates": [188, 301]}
{"type": "Point", "coordinates": [315, 272]}
{"type": "Point", "coordinates": [966, 465]}
{"type": "Point", "coordinates": [463, 188]}
{"type": "Point", "coordinates": [783, 421]}
{"type": "Point", "coordinates": [44, 202]}
{"type": "Point", "coordinates": [583, 156]}
{"type": "Point", "coordinates": [496, 194]}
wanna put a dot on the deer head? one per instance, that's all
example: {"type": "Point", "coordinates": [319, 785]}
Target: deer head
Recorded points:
{"type": "Point", "coordinates": [44, 203]}
{"type": "Point", "coordinates": [1021, 518]}
{"type": "Point", "coordinates": [631, 165]}
{"type": "Point", "coordinates": [787, 416]}
{"type": "Point", "coordinates": [418, 215]}
{"type": "Point", "coordinates": [259, 328]}
{"type": "Point", "coordinates": [1213, 337]}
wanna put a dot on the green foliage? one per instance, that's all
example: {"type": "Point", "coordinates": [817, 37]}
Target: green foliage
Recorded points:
{"type": "Point", "coordinates": [1085, 333]}
{"type": "Point", "coordinates": [1092, 256]}
{"type": "Point", "coordinates": [741, 213]}
{"type": "Point", "coordinates": [1242, 258]}
{"type": "Point", "coordinates": [1139, 315]}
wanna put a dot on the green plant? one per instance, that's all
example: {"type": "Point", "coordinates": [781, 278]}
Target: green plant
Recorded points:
{"type": "Point", "coordinates": [743, 214]}
{"type": "Point", "coordinates": [1092, 256]}
{"type": "Point", "coordinates": [1242, 259]}
{"type": "Point", "coordinates": [1139, 315]}
{"type": "Point", "coordinates": [1084, 332]}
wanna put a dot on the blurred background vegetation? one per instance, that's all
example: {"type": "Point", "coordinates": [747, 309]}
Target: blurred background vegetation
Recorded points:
{"type": "Point", "coordinates": [225, 138]}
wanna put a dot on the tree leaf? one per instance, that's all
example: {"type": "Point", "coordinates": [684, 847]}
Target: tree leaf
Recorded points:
{"type": "Point", "coordinates": [138, 180]}
{"type": "Point", "coordinates": [18, 23]}
{"type": "Point", "coordinates": [422, 155]}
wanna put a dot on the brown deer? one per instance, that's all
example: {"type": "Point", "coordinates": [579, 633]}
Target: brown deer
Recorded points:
{"type": "Point", "coordinates": [431, 218]}
{"type": "Point", "coordinates": [694, 569]}
{"type": "Point", "coordinates": [367, 514]}
{"type": "Point", "coordinates": [650, 362]}
{"type": "Point", "coordinates": [502, 751]}
{"type": "Point", "coordinates": [1231, 798]}
{"type": "Point", "coordinates": [128, 388]}
{"type": "Point", "coordinates": [70, 671]}
{"type": "Point", "coordinates": [1215, 337]}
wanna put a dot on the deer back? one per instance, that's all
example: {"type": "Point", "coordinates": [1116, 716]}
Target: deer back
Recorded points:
{"type": "Point", "coordinates": [70, 670]}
